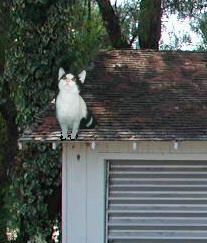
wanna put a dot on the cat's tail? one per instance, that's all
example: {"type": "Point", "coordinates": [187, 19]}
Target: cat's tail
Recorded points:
{"type": "Point", "coordinates": [89, 122]}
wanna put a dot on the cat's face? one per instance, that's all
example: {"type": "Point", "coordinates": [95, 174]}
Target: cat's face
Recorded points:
{"type": "Point", "coordinates": [70, 82]}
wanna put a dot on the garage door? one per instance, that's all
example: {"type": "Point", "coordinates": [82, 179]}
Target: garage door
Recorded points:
{"type": "Point", "coordinates": [156, 202]}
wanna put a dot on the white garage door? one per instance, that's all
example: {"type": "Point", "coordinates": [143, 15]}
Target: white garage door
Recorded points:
{"type": "Point", "coordinates": [156, 202]}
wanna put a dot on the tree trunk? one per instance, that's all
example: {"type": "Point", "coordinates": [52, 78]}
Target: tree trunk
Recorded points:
{"type": "Point", "coordinates": [8, 114]}
{"type": "Point", "coordinates": [150, 24]}
{"type": "Point", "coordinates": [112, 24]}
{"type": "Point", "coordinates": [7, 108]}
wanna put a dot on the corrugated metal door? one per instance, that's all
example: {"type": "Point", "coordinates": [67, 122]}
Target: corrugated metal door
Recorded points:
{"type": "Point", "coordinates": [156, 202]}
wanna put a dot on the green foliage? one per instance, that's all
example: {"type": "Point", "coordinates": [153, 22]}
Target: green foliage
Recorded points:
{"type": "Point", "coordinates": [36, 183]}
{"type": "Point", "coordinates": [3, 178]}
{"type": "Point", "coordinates": [202, 27]}
{"type": "Point", "coordinates": [185, 8]}
{"type": "Point", "coordinates": [129, 18]}
{"type": "Point", "coordinates": [3, 215]}
{"type": "Point", "coordinates": [86, 32]}
{"type": "Point", "coordinates": [43, 35]}
{"type": "Point", "coordinates": [4, 40]}
{"type": "Point", "coordinates": [37, 51]}
{"type": "Point", "coordinates": [3, 127]}
{"type": "Point", "coordinates": [46, 35]}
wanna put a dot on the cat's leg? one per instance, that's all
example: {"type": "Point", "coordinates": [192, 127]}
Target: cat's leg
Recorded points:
{"type": "Point", "coordinates": [64, 131]}
{"type": "Point", "coordinates": [75, 130]}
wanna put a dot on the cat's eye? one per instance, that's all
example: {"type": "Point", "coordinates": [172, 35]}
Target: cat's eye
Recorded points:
{"type": "Point", "coordinates": [64, 78]}
{"type": "Point", "coordinates": [74, 79]}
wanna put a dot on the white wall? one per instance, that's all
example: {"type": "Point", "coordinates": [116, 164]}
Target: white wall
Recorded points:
{"type": "Point", "coordinates": [83, 195]}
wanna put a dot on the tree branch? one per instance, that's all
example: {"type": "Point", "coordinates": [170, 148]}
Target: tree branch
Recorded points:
{"type": "Point", "coordinates": [112, 24]}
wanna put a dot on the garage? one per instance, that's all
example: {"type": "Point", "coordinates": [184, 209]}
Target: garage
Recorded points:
{"type": "Point", "coordinates": [156, 201]}
{"type": "Point", "coordinates": [141, 175]}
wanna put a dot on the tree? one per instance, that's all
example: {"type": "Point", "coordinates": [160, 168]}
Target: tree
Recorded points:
{"type": "Point", "coordinates": [203, 28]}
{"type": "Point", "coordinates": [185, 8]}
{"type": "Point", "coordinates": [150, 24]}
{"type": "Point", "coordinates": [7, 106]}
{"type": "Point", "coordinates": [149, 21]}
{"type": "Point", "coordinates": [112, 24]}
{"type": "Point", "coordinates": [151, 12]}
{"type": "Point", "coordinates": [200, 27]}
{"type": "Point", "coordinates": [44, 35]}
{"type": "Point", "coordinates": [128, 13]}
{"type": "Point", "coordinates": [190, 11]}
{"type": "Point", "coordinates": [8, 127]}
{"type": "Point", "coordinates": [142, 19]}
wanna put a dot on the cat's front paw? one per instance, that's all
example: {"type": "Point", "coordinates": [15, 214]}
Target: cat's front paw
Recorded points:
{"type": "Point", "coordinates": [61, 138]}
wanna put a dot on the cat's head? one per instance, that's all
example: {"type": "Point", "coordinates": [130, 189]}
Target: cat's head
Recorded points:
{"type": "Point", "coordinates": [70, 82]}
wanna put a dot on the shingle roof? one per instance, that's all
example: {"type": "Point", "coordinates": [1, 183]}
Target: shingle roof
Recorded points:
{"type": "Point", "coordinates": [140, 95]}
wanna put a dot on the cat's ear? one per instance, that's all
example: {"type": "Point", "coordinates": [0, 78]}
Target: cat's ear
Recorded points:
{"type": "Point", "coordinates": [61, 72]}
{"type": "Point", "coordinates": [82, 76]}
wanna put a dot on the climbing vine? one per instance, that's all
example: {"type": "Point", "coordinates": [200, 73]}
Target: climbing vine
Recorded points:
{"type": "Point", "coordinates": [37, 186]}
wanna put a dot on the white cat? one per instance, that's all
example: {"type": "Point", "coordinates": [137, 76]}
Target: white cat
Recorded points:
{"type": "Point", "coordinates": [71, 110]}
